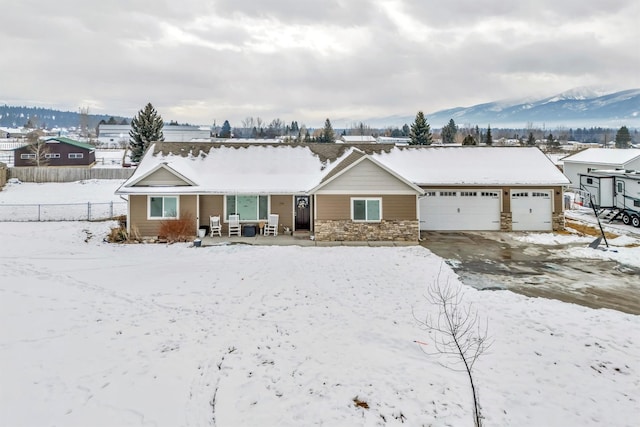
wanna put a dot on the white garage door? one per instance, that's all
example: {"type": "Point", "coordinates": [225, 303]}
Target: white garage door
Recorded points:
{"type": "Point", "coordinates": [531, 210]}
{"type": "Point", "coordinates": [460, 210]}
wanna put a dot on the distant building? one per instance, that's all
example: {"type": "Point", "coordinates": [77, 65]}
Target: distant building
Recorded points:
{"type": "Point", "coordinates": [55, 152]}
{"type": "Point", "coordinates": [118, 135]}
{"type": "Point", "coordinates": [357, 139]}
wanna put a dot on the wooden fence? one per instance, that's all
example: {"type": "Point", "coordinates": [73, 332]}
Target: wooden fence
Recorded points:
{"type": "Point", "coordinates": [3, 174]}
{"type": "Point", "coordinates": [62, 174]}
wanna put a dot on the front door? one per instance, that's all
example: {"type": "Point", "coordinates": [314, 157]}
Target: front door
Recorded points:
{"type": "Point", "coordinates": [303, 213]}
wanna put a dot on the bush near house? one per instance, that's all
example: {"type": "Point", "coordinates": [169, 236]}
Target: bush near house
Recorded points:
{"type": "Point", "coordinates": [177, 230]}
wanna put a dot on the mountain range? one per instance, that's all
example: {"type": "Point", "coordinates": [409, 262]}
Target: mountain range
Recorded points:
{"type": "Point", "coordinates": [576, 108]}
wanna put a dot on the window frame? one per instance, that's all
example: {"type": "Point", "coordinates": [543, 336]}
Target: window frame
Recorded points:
{"type": "Point", "coordinates": [52, 155]}
{"type": "Point", "coordinates": [27, 156]}
{"type": "Point", "coordinates": [228, 211]}
{"type": "Point", "coordinates": [75, 156]}
{"type": "Point", "coordinates": [366, 209]}
{"type": "Point", "coordinates": [162, 218]}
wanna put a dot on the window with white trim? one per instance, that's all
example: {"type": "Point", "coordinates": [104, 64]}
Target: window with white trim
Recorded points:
{"type": "Point", "coordinates": [27, 156]}
{"type": "Point", "coordinates": [250, 207]}
{"type": "Point", "coordinates": [163, 207]}
{"type": "Point", "coordinates": [366, 209]}
{"type": "Point", "coordinates": [52, 156]}
{"type": "Point", "coordinates": [76, 155]}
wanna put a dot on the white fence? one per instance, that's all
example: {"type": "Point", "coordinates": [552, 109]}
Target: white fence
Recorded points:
{"type": "Point", "coordinates": [62, 212]}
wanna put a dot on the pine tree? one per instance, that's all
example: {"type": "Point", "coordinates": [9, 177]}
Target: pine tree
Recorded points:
{"type": "Point", "coordinates": [420, 131]}
{"type": "Point", "coordinates": [489, 140]}
{"type": "Point", "coordinates": [327, 135]}
{"type": "Point", "coordinates": [449, 132]}
{"type": "Point", "coordinates": [623, 138]}
{"type": "Point", "coordinates": [146, 128]}
{"type": "Point", "coordinates": [225, 131]}
{"type": "Point", "coordinates": [531, 140]}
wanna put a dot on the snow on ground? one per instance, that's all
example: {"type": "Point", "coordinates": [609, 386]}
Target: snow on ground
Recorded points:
{"type": "Point", "coordinates": [93, 190]}
{"type": "Point", "coordinates": [163, 335]}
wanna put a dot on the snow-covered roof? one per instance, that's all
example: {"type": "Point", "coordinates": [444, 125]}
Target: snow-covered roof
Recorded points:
{"type": "Point", "coordinates": [606, 156]}
{"type": "Point", "coordinates": [473, 166]}
{"type": "Point", "coordinates": [358, 138]}
{"type": "Point", "coordinates": [287, 169]}
{"type": "Point", "coordinates": [252, 168]}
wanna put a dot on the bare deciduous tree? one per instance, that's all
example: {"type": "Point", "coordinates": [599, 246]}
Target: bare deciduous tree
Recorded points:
{"type": "Point", "coordinates": [457, 333]}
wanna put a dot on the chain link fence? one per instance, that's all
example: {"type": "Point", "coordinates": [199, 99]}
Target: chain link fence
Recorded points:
{"type": "Point", "coordinates": [62, 211]}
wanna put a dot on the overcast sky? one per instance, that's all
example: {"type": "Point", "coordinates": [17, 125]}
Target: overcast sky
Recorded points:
{"type": "Point", "coordinates": [198, 61]}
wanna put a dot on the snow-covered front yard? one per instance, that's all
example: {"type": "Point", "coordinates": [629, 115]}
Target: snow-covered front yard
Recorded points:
{"type": "Point", "coordinates": [98, 334]}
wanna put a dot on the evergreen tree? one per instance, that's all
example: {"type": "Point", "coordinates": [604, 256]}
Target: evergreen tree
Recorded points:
{"type": "Point", "coordinates": [112, 121]}
{"type": "Point", "coordinates": [531, 140]}
{"type": "Point", "coordinates": [146, 128]}
{"type": "Point", "coordinates": [327, 135]}
{"type": "Point", "coordinates": [225, 131]}
{"type": "Point", "coordinates": [623, 138]}
{"type": "Point", "coordinates": [449, 132]}
{"type": "Point", "coordinates": [406, 130]}
{"type": "Point", "coordinates": [469, 140]}
{"type": "Point", "coordinates": [420, 131]}
{"type": "Point", "coordinates": [489, 139]}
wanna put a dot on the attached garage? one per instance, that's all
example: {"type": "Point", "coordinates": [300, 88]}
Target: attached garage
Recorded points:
{"type": "Point", "coordinates": [472, 210]}
{"type": "Point", "coordinates": [531, 210]}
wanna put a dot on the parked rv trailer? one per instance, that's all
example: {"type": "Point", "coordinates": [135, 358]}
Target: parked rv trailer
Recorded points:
{"type": "Point", "coordinates": [615, 191]}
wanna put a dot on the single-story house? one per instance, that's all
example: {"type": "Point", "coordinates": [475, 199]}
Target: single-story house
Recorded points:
{"type": "Point", "coordinates": [58, 151]}
{"type": "Point", "coordinates": [347, 192]}
{"type": "Point", "coordinates": [599, 158]}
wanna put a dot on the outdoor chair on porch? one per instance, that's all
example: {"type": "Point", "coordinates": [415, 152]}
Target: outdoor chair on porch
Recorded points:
{"type": "Point", "coordinates": [271, 227]}
{"type": "Point", "coordinates": [234, 225]}
{"type": "Point", "coordinates": [215, 226]}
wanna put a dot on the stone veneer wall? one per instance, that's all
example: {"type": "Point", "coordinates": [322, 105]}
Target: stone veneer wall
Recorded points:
{"type": "Point", "coordinates": [3, 175]}
{"type": "Point", "coordinates": [347, 230]}
{"type": "Point", "coordinates": [506, 221]}
{"type": "Point", "coordinates": [557, 221]}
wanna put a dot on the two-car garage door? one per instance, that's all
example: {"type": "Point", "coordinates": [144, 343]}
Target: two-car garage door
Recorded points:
{"type": "Point", "coordinates": [460, 210]}
{"type": "Point", "coordinates": [478, 210]}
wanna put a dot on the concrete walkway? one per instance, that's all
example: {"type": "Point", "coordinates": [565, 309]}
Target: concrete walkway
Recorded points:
{"type": "Point", "coordinates": [288, 240]}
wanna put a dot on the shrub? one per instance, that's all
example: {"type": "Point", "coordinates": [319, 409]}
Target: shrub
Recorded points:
{"type": "Point", "coordinates": [117, 235]}
{"type": "Point", "coordinates": [177, 230]}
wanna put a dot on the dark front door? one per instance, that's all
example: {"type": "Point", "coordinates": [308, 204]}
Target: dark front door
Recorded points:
{"type": "Point", "coordinates": [303, 213]}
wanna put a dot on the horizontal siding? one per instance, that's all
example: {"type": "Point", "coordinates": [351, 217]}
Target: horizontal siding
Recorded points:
{"type": "Point", "coordinates": [161, 177]}
{"type": "Point", "coordinates": [146, 227]}
{"type": "Point", "coordinates": [283, 206]}
{"type": "Point", "coordinates": [394, 207]}
{"type": "Point", "coordinates": [366, 178]}
{"type": "Point", "coordinates": [399, 207]}
{"type": "Point", "coordinates": [211, 205]}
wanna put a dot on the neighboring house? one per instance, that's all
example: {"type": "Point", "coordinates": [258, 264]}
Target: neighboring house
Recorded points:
{"type": "Point", "coordinates": [347, 192]}
{"type": "Point", "coordinates": [118, 135]}
{"type": "Point", "coordinates": [599, 158]}
{"type": "Point", "coordinates": [357, 139]}
{"type": "Point", "coordinates": [55, 152]}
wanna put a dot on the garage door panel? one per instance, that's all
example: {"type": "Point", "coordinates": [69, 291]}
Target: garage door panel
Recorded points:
{"type": "Point", "coordinates": [531, 210]}
{"type": "Point", "coordinates": [460, 210]}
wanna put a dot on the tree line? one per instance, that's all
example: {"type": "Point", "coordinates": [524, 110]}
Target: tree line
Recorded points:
{"type": "Point", "coordinates": [147, 126]}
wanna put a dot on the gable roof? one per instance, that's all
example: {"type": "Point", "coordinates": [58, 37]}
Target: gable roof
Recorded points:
{"type": "Point", "coordinates": [470, 165]}
{"type": "Point", "coordinates": [72, 142]}
{"type": "Point", "coordinates": [605, 156]}
{"type": "Point", "coordinates": [211, 168]}
{"type": "Point", "coordinates": [352, 161]}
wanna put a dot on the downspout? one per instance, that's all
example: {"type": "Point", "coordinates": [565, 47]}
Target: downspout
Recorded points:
{"type": "Point", "coordinates": [197, 213]}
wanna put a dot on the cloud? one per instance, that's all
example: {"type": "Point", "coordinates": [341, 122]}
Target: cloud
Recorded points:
{"type": "Point", "coordinates": [200, 61]}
